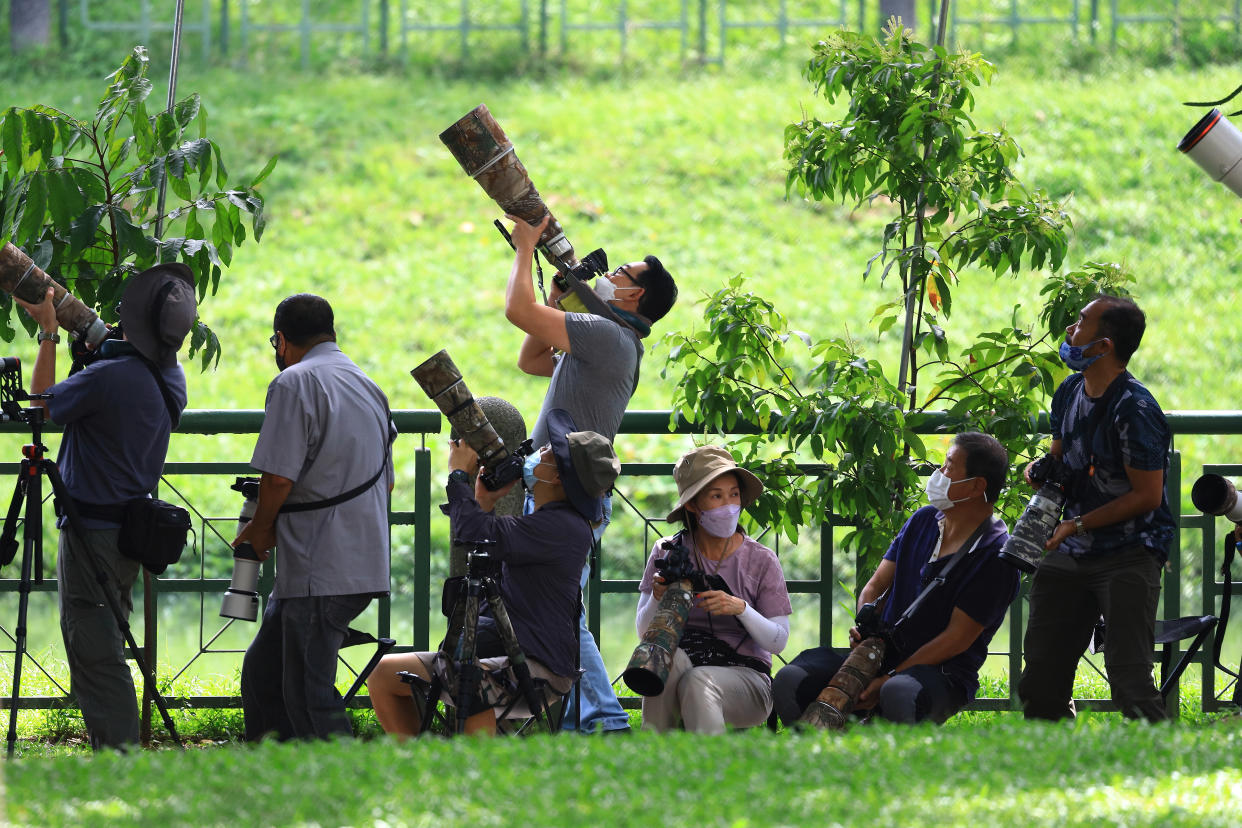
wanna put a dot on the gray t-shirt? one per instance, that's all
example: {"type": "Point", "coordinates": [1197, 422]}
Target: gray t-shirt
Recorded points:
{"type": "Point", "coordinates": [595, 380]}
{"type": "Point", "coordinates": [327, 428]}
{"type": "Point", "coordinates": [116, 430]}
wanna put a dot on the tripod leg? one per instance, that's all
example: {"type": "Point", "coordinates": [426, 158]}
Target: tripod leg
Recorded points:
{"type": "Point", "coordinates": [517, 658]}
{"type": "Point", "coordinates": [19, 647]}
{"type": "Point", "coordinates": [74, 522]}
{"type": "Point", "coordinates": [468, 671]}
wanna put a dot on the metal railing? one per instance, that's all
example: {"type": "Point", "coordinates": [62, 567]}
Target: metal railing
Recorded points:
{"type": "Point", "coordinates": [413, 507]}
{"type": "Point", "coordinates": [711, 27]}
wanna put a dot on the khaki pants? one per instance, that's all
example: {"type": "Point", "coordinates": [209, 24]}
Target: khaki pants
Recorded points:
{"type": "Point", "coordinates": [98, 672]}
{"type": "Point", "coordinates": [706, 699]}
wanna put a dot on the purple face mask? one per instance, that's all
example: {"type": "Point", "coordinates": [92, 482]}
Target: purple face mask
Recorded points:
{"type": "Point", "coordinates": [720, 522]}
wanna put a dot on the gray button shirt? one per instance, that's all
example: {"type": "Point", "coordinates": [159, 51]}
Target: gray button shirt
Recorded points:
{"type": "Point", "coordinates": [327, 428]}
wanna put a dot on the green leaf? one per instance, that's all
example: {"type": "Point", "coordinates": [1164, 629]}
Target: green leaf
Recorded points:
{"type": "Point", "coordinates": [265, 172]}
{"type": "Point", "coordinates": [35, 210]}
{"type": "Point", "coordinates": [82, 233]}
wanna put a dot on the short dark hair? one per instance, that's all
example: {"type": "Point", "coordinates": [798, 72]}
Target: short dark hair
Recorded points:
{"type": "Point", "coordinates": [659, 290]}
{"type": "Point", "coordinates": [986, 458]}
{"type": "Point", "coordinates": [304, 317]}
{"type": "Point", "coordinates": [1122, 322]}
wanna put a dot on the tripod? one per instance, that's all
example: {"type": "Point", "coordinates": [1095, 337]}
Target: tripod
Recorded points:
{"type": "Point", "coordinates": [28, 492]}
{"type": "Point", "coordinates": [461, 640]}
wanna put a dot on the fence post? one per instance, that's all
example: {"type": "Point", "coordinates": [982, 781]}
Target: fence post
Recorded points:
{"type": "Point", "coordinates": [422, 548]}
{"type": "Point", "coordinates": [224, 28]}
{"type": "Point", "coordinates": [383, 28]}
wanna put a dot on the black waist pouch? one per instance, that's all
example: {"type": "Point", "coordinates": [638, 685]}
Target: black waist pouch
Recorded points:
{"type": "Point", "coordinates": [153, 532]}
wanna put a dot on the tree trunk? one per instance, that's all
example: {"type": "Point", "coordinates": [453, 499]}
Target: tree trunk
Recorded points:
{"type": "Point", "coordinates": [28, 23]}
{"type": "Point", "coordinates": [905, 9]}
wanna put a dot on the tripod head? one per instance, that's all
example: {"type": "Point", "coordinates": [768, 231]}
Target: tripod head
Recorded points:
{"type": "Point", "coordinates": [479, 564]}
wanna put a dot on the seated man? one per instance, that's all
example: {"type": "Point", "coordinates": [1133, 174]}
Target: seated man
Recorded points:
{"type": "Point", "coordinates": [541, 556]}
{"type": "Point", "coordinates": [932, 670]}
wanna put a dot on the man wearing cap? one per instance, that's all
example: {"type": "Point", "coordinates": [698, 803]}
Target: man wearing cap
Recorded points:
{"type": "Point", "coordinates": [118, 413]}
{"type": "Point", "coordinates": [325, 453]}
{"type": "Point", "coordinates": [541, 556]}
{"type": "Point", "coordinates": [593, 361]}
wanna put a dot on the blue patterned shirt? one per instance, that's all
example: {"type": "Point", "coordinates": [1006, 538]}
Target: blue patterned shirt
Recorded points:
{"type": "Point", "coordinates": [1132, 432]}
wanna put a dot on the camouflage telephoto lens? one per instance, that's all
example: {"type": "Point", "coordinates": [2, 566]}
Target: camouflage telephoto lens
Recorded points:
{"type": "Point", "coordinates": [487, 155]}
{"type": "Point", "coordinates": [21, 277]}
{"type": "Point", "coordinates": [653, 657]}
{"type": "Point", "coordinates": [442, 382]}
{"type": "Point", "coordinates": [830, 709]}
{"type": "Point", "coordinates": [1025, 546]}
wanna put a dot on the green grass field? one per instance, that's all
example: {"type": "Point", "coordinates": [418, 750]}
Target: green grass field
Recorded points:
{"type": "Point", "coordinates": [1007, 772]}
{"type": "Point", "coordinates": [368, 209]}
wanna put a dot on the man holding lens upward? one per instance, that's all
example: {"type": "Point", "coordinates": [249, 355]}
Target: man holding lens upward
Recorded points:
{"type": "Point", "coordinates": [325, 453]}
{"type": "Point", "coordinates": [594, 364]}
{"type": "Point", "coordinates": [1105, 557]}
{"type": "Point", "coordinates": [117, 417]}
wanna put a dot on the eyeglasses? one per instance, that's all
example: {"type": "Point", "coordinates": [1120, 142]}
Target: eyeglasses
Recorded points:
{"type": "Point", "coordinates": [274, 341]}
{"type": "Point", "coordinates": [624, 270]}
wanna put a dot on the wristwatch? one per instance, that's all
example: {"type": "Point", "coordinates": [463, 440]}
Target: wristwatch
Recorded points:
{"type": "Point", "coordinates": [460, 476]}
{"type": "Point", "coordinates": [44, 336]}
{"type": "Point", "coordinates": [1079, 529]}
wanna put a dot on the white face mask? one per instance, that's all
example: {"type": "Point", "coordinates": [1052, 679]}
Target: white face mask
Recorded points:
{"type": "Point", "coordinates": [937, 488]}
{"type": "Point", "coordinates": [605, 289]}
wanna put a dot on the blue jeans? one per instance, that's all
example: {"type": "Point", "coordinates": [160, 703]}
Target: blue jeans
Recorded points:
{"type": "Point", "coordinates": [288, 679]}
{"type": "Point", "coordinates": [600, 708]}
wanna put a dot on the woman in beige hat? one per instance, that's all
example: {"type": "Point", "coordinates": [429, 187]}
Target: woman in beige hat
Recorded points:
{"type": "Point", "coordinates": [721, 669]}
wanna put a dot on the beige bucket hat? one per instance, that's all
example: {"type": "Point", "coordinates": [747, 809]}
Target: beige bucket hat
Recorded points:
{"type": "Point", "coordinates": [699, 467]}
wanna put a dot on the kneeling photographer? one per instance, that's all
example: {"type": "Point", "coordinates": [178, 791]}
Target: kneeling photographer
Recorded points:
{"type": "Point", "coordinates": [721, 667]}
{"type": "Point", "coordinates": [118, 413]}
{"type": "Point", "coordinates": [931, 667]}
{"type": "Point", "coordinates": [541, 556]}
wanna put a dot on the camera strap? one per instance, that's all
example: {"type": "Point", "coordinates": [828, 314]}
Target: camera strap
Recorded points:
{"type": "Point", "coordinates": [173, 414]}
{"type": "Point", "coordinates": [290, 508]}
{"type": "Point", "coordinates": [968, 549]}
{"type": "Point", "coordinates": [1099, 410]}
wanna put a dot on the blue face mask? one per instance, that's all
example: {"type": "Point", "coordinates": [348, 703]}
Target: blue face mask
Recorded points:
{"type": "Point", "coordinates": [529, 478]}
{"type": "Point", "coordinates": [1072, 356]}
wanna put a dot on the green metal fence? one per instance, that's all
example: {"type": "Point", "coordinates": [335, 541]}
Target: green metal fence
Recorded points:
{"type": "Point", "coordinates": [413, 507]}
{"type": "Point", "coordinates": [704, 31]}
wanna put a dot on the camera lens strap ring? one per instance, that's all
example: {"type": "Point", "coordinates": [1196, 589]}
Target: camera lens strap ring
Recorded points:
{"type": "Point", "coordinates": [493, 162]}
{"type": "Point", "coordinates": [18, 284]}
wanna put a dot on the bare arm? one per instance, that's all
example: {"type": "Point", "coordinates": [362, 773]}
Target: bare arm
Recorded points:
{"type": "Point", "coordinates": [260, 532]}
{"type": "Point", "coordinates": [541, 323]}
{"type": "Point", "coordinates": [1146, 493]}
{"type": "Point", "coordinates": [956, 638]}
{"type": "Point", "coordinates": [43, 375]}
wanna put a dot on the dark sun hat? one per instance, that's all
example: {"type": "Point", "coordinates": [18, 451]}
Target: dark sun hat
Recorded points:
{"type": "Point", "coordinates": [158, 308]}
{"type": "Point", "coordinates": [586, 463]}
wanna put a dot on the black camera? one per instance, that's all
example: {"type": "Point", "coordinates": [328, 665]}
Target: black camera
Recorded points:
{"type": "Point", "coordinates": [1025, 547]}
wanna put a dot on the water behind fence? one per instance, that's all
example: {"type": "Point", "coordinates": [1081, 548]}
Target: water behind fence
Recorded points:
{"type": "Point", "coordinates": [466, 32]}
{"type": "Point", "coordinates": [180, 629]}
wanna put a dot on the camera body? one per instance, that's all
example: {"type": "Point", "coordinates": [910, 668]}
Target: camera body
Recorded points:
{"type": "Point", "coordinates": [1025, 546]}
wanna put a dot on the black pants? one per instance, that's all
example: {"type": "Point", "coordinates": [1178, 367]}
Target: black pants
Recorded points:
{"type": "Point", "coordinates": [918, 694]}
{"type": "Point", "coordinates": [1068, 595]}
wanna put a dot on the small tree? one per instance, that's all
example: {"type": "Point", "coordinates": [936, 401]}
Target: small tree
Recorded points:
{"type": "Point", "coordinates": [80, 196]}
{"type": "Point", "coordinates": [906, 141]}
